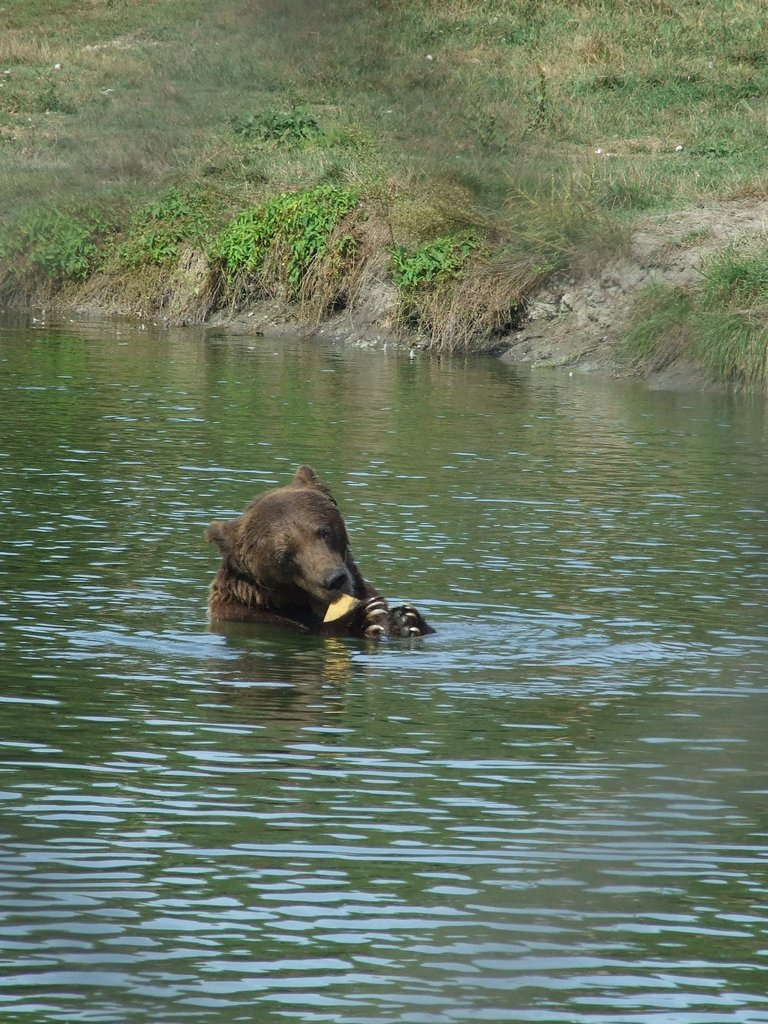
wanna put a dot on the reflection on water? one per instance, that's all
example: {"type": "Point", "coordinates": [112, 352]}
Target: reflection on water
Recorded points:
{"type": "Point", "coordinates": [554, 810]}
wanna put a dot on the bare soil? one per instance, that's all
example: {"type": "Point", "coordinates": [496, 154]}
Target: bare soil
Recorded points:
{"type": "Point", "coordinates": [579, 323]}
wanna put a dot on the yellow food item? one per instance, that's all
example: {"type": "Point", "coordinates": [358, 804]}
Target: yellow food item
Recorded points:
{"type": "Point", "coordinates": [340, 607]}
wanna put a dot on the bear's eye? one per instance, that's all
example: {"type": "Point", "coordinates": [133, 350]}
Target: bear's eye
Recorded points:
{"type": "Point", "coordinates": [284, 559]}
{"type": "Point", "coordinates": [324, 533]}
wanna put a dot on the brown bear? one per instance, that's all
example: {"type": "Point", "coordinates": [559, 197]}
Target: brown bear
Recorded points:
{"type": "Point", "coordinates": [287, 558]}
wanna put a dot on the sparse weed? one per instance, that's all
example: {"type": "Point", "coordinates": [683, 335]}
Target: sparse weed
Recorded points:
{"type": "Point", "coordinates": [50, 100]}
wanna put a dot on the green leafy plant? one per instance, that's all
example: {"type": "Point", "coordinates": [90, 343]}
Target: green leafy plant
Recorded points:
{"type": "Point", "coordinates": [443, 258]}
{"type": "Point", "coordinates": [717, 148]}
{"type": "Point", "coordinates": [291, 233]}
{"type": "Point", "coordinates": [160, 228]}
{"type": "Point", "coordinates": [50, 100]}
{"type": "Point", "coordinates": [62, 246]}
{"type": "Point", "coordinates": [274, 126]}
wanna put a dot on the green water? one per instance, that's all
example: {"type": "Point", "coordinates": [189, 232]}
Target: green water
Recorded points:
{"type": "Point", "coordinates": [555, 810]}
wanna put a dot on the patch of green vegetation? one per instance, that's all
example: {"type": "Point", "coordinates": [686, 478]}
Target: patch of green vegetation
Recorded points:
{"type": "Point", "coordinates": [56, 245]}
{"type": "Point", "coordinates": [732, 337]}
{"type": "Point", "coordinates": [659, 333]}
{"type": "Point", "coordinates": [431, 262]}
{"type": "Point", "coordinates": [272, 126]}
{"type": "Point", "coordinates": [284, 237]}
{"type": "Point", "coordinates": [160, 228]}
{"type": "Point", "coordinates": [737, 278]}
{"type": "Point", "coordinates": [722, 325]}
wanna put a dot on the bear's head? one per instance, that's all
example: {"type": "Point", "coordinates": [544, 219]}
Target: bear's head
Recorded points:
{"type": "Point", "coordinates": [291, 546]}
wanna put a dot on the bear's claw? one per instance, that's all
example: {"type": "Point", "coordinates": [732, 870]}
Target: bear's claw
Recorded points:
{"type": "Point", "coordinates": [379, 620]}
{"type": "Point", "coordinates": [406, 621]}
{"type": "Point", "coordinates": [375, 618]}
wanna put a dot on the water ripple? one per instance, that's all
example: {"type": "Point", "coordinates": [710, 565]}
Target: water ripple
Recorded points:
{"type": "Point", "coordinates": [552, 811]}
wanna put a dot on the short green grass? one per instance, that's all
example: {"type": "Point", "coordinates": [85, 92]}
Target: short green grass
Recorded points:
{"type": "Point", "coordinates": [539, 129]}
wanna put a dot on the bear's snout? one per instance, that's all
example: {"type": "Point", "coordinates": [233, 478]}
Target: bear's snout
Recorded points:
{"type": "Point", "coordinates": [337, 581]}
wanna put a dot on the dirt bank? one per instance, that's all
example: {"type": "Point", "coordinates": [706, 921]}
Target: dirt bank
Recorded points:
{"type": "Point", "coordinates": [578, 324]}
{"type": "Point", "coordinates": [570, 322]}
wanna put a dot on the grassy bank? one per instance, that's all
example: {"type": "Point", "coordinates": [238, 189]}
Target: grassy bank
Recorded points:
{"type": "Point", "coordinates": [462, 150]}
{"type": "Point", "coordinates": [722, 323]}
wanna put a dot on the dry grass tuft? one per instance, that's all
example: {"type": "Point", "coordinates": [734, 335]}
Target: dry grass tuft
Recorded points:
{"type": "Point", "coordinates": [183, 295]}
{"type": "Point", "coordinates": [19, 47]}
{"type": "Point", "coordinates": [192, 290]}
{"type": "Point", "coordinates": [467, 314]}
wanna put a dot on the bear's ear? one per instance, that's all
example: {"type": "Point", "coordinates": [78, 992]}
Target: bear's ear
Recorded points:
{"type": "Point", "coordinates": [222, 535]}
{"type": "Point", "coordinates": [306, 477]}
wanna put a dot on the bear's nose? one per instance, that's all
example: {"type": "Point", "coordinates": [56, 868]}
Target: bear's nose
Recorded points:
{"type": "Point", "coordinates": [336, 581]}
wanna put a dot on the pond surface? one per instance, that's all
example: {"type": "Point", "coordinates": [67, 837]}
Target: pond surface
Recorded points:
{"type": "Point", "coordinates": [555, 810]}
